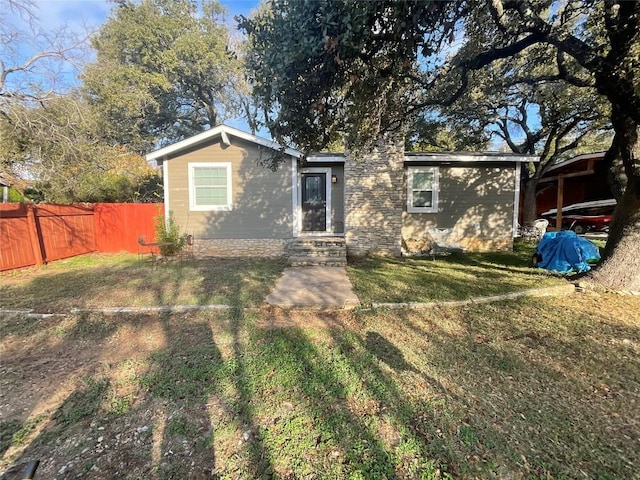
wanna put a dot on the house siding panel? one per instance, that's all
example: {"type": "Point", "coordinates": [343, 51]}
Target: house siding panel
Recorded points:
{"type": "Point", "coordinates": [262, 205]}
{"type": "Point", "coordinates": [476, 203]}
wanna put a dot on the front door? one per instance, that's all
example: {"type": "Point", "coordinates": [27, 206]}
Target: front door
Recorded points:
{"type": "Point", "coordinates": [314, 202]}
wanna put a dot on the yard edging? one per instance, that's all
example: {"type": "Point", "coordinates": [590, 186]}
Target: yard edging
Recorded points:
{"type": "Point", "coordinates": [567, 289]}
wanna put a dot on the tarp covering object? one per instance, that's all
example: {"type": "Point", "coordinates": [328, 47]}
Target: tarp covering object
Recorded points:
{"type": "Point", "coordinates": [565, 252]}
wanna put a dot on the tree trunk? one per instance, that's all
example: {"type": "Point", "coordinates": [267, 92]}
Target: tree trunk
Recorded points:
{"type": "Point", "coordinates": [529, 204]}
{"type": "Point", "coordinates": [620, 266]}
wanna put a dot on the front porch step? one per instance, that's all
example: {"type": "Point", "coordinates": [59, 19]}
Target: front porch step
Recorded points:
{"type": "Point", "coordinates": [318, 242]}
{"type": "Point", "coordinates": [298, 251]}
{"type": "Point", "coordinates": [318, 261]}
{"type": "Point", "coordinates": [331, 251]}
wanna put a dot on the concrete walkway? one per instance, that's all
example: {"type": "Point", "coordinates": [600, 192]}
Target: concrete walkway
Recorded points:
{"type": "Point", "coordinates": [313, 287]}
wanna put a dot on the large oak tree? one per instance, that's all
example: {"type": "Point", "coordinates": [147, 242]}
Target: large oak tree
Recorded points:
{"type": "Point", "coordinates": [164, 70]}
{"type": "Point", "coordinates": [548, 119]}
{"type": "Point", "coordinates": [363, 68]}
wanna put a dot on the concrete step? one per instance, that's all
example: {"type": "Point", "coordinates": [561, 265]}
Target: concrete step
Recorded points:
{"type": "Point", "coordinates": [318, 242]}
{"type": "Point", "coordinates": [317, 261]}
{"type": "Point", "coordinates": [299, 251]}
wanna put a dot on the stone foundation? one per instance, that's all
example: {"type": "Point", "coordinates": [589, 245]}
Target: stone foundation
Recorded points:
{"type": "Point", "coordinates": [417, 246]}
{"type": "Point", "coordinates": [239, 247]}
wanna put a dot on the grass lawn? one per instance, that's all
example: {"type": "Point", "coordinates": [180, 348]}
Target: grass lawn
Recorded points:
{"type": "Point", "coordinates": [534, 388]}
{"type": "Point", "coordinates": [123, 280]}
{"type": "Point", "coordinates": [453, 277]}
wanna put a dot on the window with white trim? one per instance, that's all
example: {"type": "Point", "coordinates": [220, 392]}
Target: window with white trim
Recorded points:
{"type": "Point", "coordinates": [422, 190]}
{"type": "Point", "coordinates": [210, 186]}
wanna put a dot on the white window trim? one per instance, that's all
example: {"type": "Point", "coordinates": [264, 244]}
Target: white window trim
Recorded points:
{"type": "Point", "coordinates": [436, 188]}
{"type": "Point", "coordinates": [294, 196]}
{"type": "Point", "coordinates": [192, 190]}
{"type": "Point", "coordinates": [516, 199]}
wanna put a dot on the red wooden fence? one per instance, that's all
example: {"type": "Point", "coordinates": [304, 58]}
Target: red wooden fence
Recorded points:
{"type": "Point", "coordinates": [35, 234]}
{"type": "Point", "coordinates": [65, 230]}
{"type": "Point", "coordinates": [17, 236]}
{"type": "Point", "coordinates": [118, 225]}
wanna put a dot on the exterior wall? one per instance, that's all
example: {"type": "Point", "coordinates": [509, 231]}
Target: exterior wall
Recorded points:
{"type": "Point", "coordinates": [475, 203]}
{"type": "Point", "coordinates": [262, 205]}
{"type": "Point", "coordinates": [374, 198]}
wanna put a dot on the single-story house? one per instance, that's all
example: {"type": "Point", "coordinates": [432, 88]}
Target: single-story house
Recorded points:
{"type": "Point", "coordinates": [388, 202]}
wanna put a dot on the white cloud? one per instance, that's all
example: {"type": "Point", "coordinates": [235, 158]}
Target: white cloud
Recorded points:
{"type": "Point", "coordinates": [73, 14]}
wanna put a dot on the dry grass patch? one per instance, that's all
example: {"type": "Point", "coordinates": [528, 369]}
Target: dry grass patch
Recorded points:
{"type": "Point", "coordinates": [448, 278]}
{"type": "Point", "coordinates": [534, 388]}
{"type": "Point", "coordinates": [124, 280]}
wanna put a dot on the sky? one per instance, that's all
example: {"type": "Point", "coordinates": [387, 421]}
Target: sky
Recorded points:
{"type": "Point", "coordinates": [80, 16]}
{"type": "Point", "coordinates": [75, 13]}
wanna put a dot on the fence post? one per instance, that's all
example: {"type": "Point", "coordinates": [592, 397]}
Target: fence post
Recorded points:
{"type": "Point", "coordinates": [34, 235]}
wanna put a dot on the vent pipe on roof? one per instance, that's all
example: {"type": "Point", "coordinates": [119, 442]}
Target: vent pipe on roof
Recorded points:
{"type": "Point", "coordinates": [225, 139]}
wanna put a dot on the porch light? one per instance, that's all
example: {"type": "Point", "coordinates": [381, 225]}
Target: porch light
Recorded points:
{"type": "Point", "coordinates": [334, 179]}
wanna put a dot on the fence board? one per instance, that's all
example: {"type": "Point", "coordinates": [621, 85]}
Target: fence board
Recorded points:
{"type": "Point", "coordinates": [118, 225]}
{"type": "Point", "coordinates": [15, 243]}
{"type": "Point", "coordinates": [30, 234]}
{"type": "Point", "coordinates": [66, 230]}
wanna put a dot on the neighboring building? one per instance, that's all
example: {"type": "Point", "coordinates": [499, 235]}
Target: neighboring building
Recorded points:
{"type": "Point", "coordinates": [4, 189]}
{"type": "Point", "coordinates": [389, 202]}
{"type": "Point", "coordinates": [577, 180]}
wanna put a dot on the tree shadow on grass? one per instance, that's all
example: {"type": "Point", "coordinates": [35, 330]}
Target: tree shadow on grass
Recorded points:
{"type": "Point", "coordinates": [60, 382]}
{"type": "Point", "coordinates": [75, 413]}
{"type": "Point", "coordinates": [332, 411]}
{"type": "Point", "coordinates": [172, 400]}
{"type": "Point", "coordinates": [182, 377]}
{"type": "Point", "coordinates": [203, 282]}
{"type": "Point", "coordinates": [402, 280]}
{"type": "Point", "coordinates": [519, 382]}
{"type": "Point", "coordinates": [386, 351]}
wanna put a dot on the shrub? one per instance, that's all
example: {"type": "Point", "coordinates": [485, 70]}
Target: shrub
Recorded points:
{"type": "Point", "coordinates": [168, 232]}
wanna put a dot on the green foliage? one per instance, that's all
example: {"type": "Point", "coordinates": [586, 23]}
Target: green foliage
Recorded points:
{"type": "Point", "coordinates": [363, 68]}
{"type": "Point", "coordinates": [33, 194]}
{"type": "Point", "coordinates": [59, 144]}
{"type": "Point", "coordinates": [549, 119]}
{"type": "Point", "coordinates": [15, 195]}
{"type": "Point", "coordinates": [164, 70]}
{"type": "Point", "coordinates": [168, 231]}
{"type": "Point", "coordinates": [321, 70]}
{"type": "Point", "coordinates": [440, 134]}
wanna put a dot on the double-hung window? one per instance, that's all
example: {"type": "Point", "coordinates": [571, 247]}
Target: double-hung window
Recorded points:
{"type": "Point", "coordinates": [210, 186]}
{"type": "Point", "coordinates": [422, 190]}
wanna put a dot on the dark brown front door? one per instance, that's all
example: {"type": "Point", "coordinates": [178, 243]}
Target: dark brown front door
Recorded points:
{"type": "Point", "coordinates": [314, 202]}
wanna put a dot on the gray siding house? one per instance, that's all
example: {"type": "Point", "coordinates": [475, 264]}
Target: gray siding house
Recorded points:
{"type": "Point", "coordinates": [389, 202]}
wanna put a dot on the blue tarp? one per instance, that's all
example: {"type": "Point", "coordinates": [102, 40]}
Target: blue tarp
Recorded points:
{"type": "Point", "coordinates": [565, 252]}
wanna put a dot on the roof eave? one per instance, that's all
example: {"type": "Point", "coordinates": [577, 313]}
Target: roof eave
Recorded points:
{"type": "Point", "coordinates": [442, 157]}
{"type": "Point", "coordinates": [222, 130]}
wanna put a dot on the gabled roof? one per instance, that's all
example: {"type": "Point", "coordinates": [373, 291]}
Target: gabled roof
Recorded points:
{"type": "Point", "coordinates": [223, 131]}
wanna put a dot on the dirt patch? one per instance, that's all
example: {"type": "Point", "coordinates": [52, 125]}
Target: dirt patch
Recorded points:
{"type": "Point", "coordinates": [475, 391]}
{"type": "Point", "coordinates": [44, 364]}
